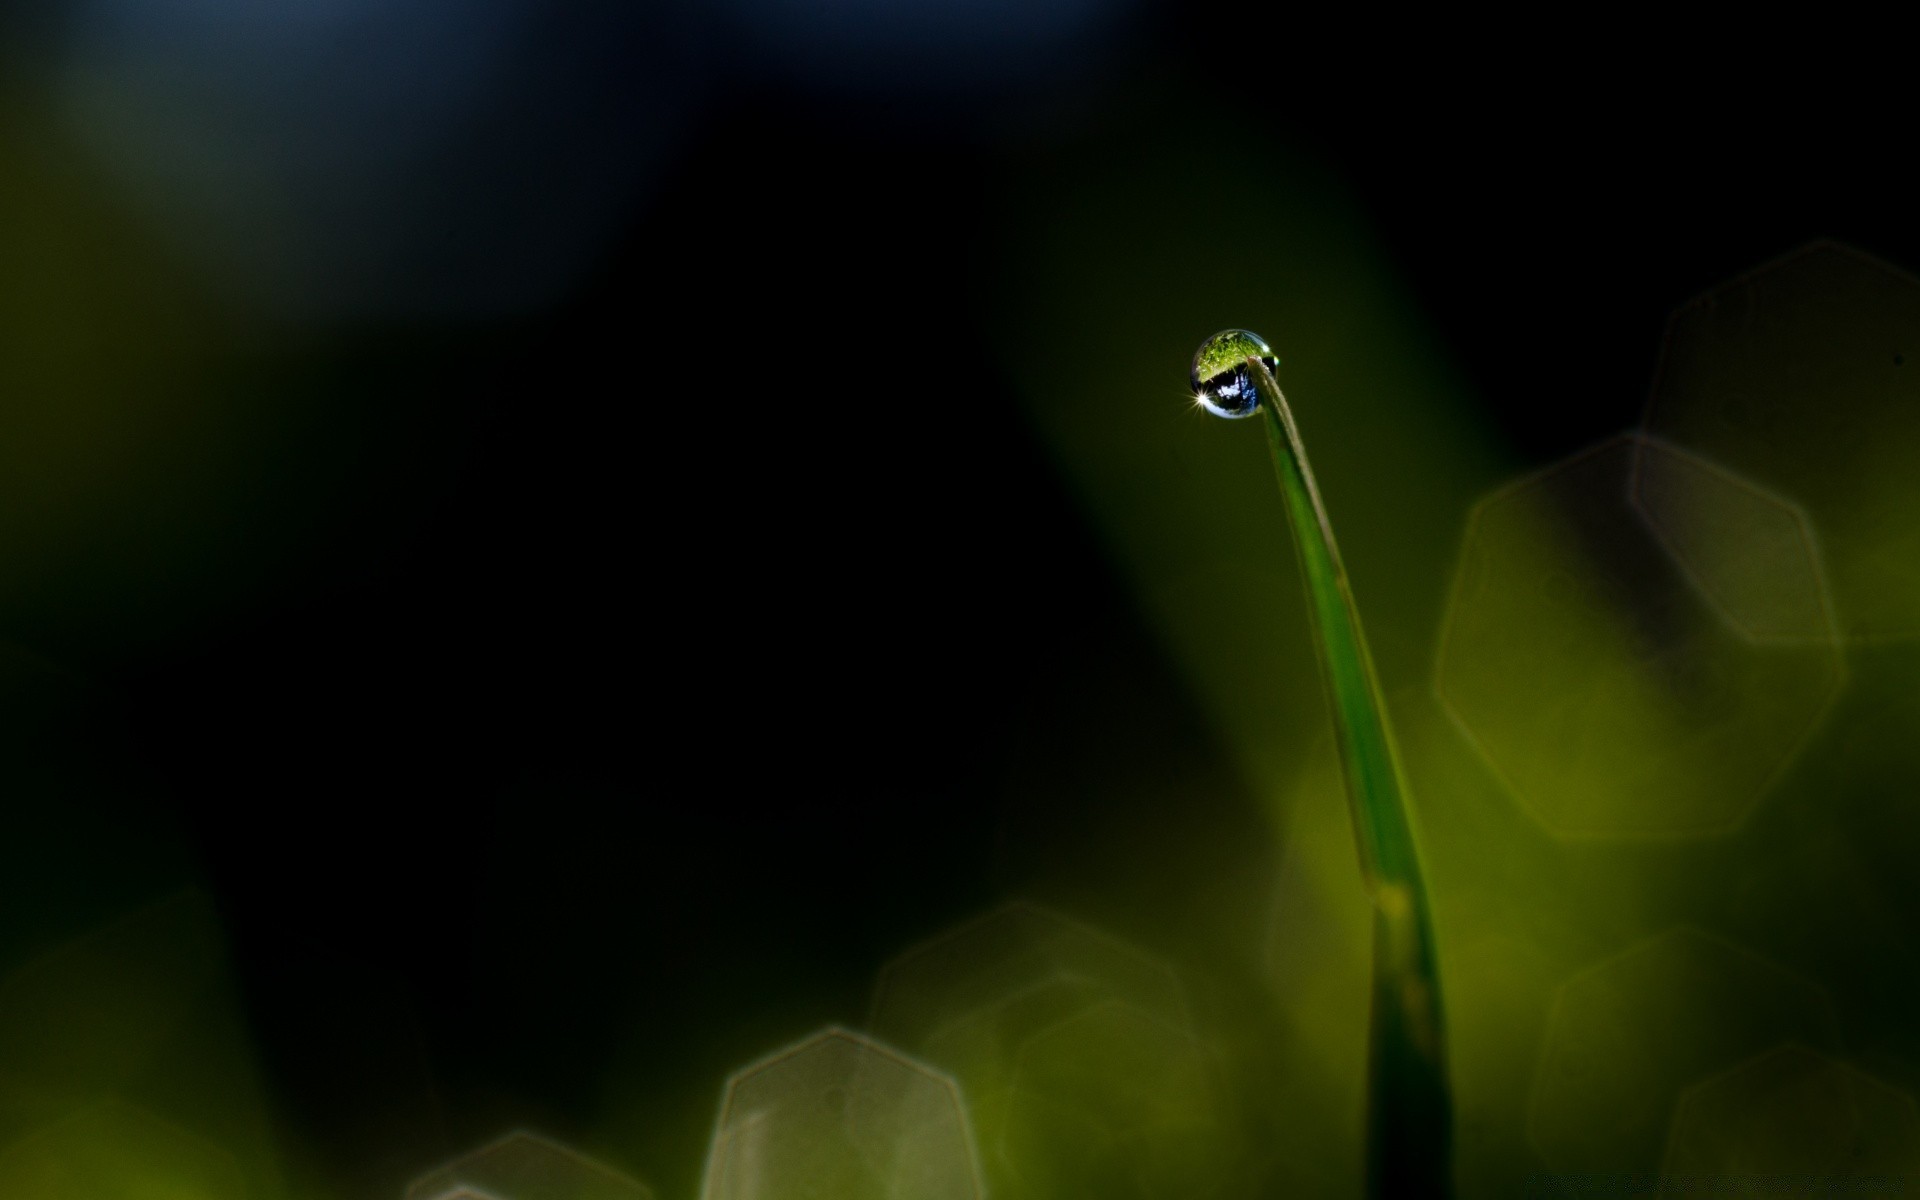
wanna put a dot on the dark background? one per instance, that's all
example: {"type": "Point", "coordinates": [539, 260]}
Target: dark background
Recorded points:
{"type": "Point", "coordinates": [659, 657]}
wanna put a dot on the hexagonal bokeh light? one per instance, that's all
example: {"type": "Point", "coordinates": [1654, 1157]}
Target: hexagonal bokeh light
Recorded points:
{"type": "Point", "coordinates": [1626, 1036]}
{"type": "Point", "coordinates": [840, 1115]}
{"type": "Point", "coordinates": [1078, 1055]}
{"type": "Point", "coordinates": [525, 1166]}
{"type": "Point", "coordinates": [1114, 1103]}
{"type": "Point", "coordinates": [1750, 555]}
{"type": "Point", "coordinates": [1006, 971]}
{"type": "Point", "coordinates": [977, 999]}
{"type": "Point", "coordinates": [1804, 376]}
{"type": "Point", "coordinates": [1795, 1111]}
{"type": "Point", "coordinates": [1616, 691]}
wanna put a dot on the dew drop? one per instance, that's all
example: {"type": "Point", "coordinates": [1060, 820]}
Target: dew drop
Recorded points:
{"type": "Point", "coordinates": [1221, 382]}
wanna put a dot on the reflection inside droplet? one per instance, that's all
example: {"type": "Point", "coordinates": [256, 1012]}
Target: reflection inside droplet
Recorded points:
{"type": "Point", "coordinates": [1222, 383]}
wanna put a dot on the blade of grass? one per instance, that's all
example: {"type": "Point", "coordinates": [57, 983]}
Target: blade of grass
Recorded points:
{"type": "Point", "coordinates": [1409, 1106]}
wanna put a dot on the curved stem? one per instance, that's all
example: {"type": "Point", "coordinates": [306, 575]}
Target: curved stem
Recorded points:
{"type": "Point", "coordinates": [1410, 1111]}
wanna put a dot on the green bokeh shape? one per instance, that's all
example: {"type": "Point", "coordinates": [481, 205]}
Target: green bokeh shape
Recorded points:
{"type": "Point", "coordinates": [840, 1116]}
{"type": "Point", "coordinates": [116, 1151]}
{"type": "Point", "coordinates": [1114, 1103]}
{"type": "Point", "coordinates": [1001, 956]}
{"type": "Point", "coordinates": [1607, 688]}
{"type": "Point", "coordinates": [1795, 1111]}
{"type": "Point", "coordinates": [140, 1010]}
{"type": "Point", "coordinates": [968, 1000]}
{"type": "Point", "coordinates": [1751, 555]}
{"type": "Point", "coordinates": [1628, 1035]}
{"type": "Point", "coordinates": [525, 1166]}
{"type": "Point", "coordinates": [1803, 375]}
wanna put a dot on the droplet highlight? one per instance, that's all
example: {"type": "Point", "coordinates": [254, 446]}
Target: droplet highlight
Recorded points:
{"type": "Point", "coordinates": [1222, 382]}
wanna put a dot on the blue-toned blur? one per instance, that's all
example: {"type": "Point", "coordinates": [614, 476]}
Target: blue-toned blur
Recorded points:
{"type": "Point", "coordinates": [340, 158]}
{"type": "Point", "coordinates": [959, 51]}
{"type": "Point", "coordinates": [348, 159]}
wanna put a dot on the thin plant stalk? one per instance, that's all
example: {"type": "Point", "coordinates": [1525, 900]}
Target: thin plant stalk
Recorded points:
{"type": "Point", "coordinates": [1409, 1105]}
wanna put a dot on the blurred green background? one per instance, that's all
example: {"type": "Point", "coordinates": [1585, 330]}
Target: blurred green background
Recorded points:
{"type": "Point", "coordinates": [547, 554]}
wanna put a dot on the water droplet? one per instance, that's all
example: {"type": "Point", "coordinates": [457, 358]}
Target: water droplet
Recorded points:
{"type": "Point", "coordinates": [1222, 384]}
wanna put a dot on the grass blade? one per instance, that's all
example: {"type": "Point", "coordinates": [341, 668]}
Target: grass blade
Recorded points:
{"type": "Point", "coordinates": [1409, 1106]}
